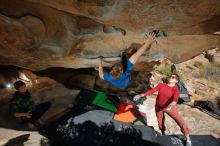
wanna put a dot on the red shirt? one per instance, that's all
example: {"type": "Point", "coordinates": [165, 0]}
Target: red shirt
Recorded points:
{"type": "Point", "coordinates": [165, 96]}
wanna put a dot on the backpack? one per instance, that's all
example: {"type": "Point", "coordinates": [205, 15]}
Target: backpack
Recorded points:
{"type": "Point", "coordinates": [184, 94]}
{"type": "Point", "coordinates": [124, 61]}
{"type": "Point", "coordinates": [126, 54]}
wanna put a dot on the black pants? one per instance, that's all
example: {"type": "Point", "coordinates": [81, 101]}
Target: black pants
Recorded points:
{"type": "Point", "coordinates": [39, 111]}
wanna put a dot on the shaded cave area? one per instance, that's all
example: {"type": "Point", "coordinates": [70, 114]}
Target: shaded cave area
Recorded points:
{"type": "Point", "coordinates": [85, 78]}
{"type": "Point", "coordinates": [59, 85]}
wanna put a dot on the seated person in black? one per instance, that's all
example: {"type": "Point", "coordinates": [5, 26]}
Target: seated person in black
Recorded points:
{"type": "Point", "coordinates": [24, 109]}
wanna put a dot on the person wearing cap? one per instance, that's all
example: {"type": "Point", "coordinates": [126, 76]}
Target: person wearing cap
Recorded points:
{"type": "Point", "coordinates": [24, 109]}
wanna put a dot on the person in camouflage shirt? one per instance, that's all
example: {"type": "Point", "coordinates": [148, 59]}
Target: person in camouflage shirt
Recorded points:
{"type": "Point", "coordinates": [24, 109]}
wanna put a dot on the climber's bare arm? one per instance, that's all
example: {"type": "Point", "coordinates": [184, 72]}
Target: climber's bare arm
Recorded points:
{"type": "Point", "coordinates": [101, 72]}
{"type": "Point", "coordinates": [147, 44]}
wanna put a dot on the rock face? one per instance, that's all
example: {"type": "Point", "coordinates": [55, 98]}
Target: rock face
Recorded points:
{"type": "Point", "coordinates": [73, 33]}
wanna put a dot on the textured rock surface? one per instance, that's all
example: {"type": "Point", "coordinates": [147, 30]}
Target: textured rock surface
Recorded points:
{"type": "Point", "coordinates": [72, 33]}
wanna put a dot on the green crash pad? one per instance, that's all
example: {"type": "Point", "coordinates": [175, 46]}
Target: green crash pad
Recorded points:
{"type": "Point", "coordinates": [101, 101]}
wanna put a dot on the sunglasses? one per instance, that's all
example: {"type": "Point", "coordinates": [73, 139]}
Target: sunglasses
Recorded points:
{"type": "Point", "coordinates": [173, 77]}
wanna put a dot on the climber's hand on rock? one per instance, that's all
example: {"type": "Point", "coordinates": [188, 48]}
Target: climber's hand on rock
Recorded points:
{"type": "Point", "coordinates": [151, 38]}
{"type": "Point", "coordinates": [99, 60]}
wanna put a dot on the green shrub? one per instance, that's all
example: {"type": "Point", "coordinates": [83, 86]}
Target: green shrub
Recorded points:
{"type": "Point", "coordinates": [212, 84]}
{"type": "Point", "coordinates": [212, 72]}
{"type": "Point", "coordinates": [199, 65]}
{"type": "Point", "coordinates": [164, 70]}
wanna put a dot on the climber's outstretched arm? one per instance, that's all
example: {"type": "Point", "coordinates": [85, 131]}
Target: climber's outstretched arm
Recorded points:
{"type": "Point", "coordinates": [101, 72]}
{"type": "Point", "coordinates": [151, 38]}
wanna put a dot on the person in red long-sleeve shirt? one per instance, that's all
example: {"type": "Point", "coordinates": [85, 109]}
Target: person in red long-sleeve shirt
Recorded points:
{"type": "Point", "coordinates": [167, 97]}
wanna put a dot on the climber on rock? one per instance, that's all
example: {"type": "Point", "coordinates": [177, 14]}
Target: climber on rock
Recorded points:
{"type": "Point", "coordinates": [119, 76]}
{"type": "Point", "coordinates": [25, 110]}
